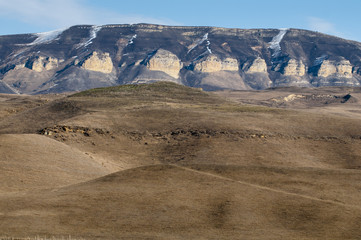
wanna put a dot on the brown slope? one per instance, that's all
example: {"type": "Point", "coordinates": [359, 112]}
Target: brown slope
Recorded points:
{"type": "Point", "coordinates": [217, 133]}
{"type": "Point", "coordinates": [14, 104]}
{"type": "Point", "coordinates": [131, 126]}
{"type": "Point", "coordinates": [31, 161]}
{"type": "Point", "coordinates": [271, 173]}
{"type": "Point", "coordinates": [337, 101]}
{"type": "Point", "coordinates": [32, 119]}
{"type": "Point", "coordinates": [168, 202]}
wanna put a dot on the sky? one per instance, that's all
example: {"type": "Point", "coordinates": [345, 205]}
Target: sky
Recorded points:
{"type": "Point", "coordinates": [334, 17]}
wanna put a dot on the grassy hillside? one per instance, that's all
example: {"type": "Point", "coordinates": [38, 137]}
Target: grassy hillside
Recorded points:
{"type": "Point", "coordinates": [164, 161]}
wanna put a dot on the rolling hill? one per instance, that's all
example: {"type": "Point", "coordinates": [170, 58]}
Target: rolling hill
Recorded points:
{"type": "Point", "coordinates": [165, 161]}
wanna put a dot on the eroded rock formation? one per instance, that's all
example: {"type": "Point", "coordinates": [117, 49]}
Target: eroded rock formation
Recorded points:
{"type": "Point", "coordinates": [340, 69]}
{"type": "Point", "coordinates": [165, 61]}
{"type": "Point", "coordinates": [212, 63]}
{"type": "Point", "coordinates": [257, 66]}
{"type": "Point", "coordinates": [40, 63]}
{"type": "Point", "coordinates": [98, 62]}
{"type": "Point", "coordinates": [294, 68]}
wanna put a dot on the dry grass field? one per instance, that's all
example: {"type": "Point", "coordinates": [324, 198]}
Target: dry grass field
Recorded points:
{"type": "Point", "coordinates": [164, 161]}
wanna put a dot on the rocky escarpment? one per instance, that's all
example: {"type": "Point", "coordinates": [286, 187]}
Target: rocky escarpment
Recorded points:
{"type": "Point", "coordinates": [84, 57]}
{"type": "Point", "coordinates": [293, 67]}
{"type": "Point", "coordinates": [255, 73]}
{"type": "Point", "coordinates": [341, 69]}
{"type": "Point", "coordinates": [339, 72]}
{"type": "Point", "coordinates": [166, 62]}
{"type": "Point", "coordinates": [258, 65]}
{"type": "Point", "coordinates": [98, 63]}
{"type": "Point", "coordinates": [212, 63]}
{"type": "Point", "coordinates": [40, 63]}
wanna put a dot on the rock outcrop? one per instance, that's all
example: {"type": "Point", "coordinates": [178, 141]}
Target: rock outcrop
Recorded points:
{"type": "Point", "coordinates": [98, 62]}
{"type": "Point", "coordinates": [212, 63]}
{"type": "Point", "coordinates": [256, 66]}
{"type": "Point", "coordinates": [341, 69]}
{"type": "Point", "coordinates": [255, 75]}
{"type": "Point", "coordinates": [40, 63]}
{"type": "Point", "coordinates": [229, 64]}
{"type": "Point", "coordinates": [344, 69]}
{"type": "Point", "coordinates": [166, 62]}
{"type": "Point", "coordinates": [294, 68]}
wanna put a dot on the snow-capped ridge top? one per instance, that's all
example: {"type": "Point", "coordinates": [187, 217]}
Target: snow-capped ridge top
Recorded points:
{"type": "Point", "coordinates": [46, 37]}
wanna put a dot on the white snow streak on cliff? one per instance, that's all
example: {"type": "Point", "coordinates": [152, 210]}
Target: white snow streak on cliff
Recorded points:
{"type": "Point", "coordinates": [46, 37]}
{"type": "Point", "coordinates": [320, 60]}
{"type": "Point", "coordinates": [93, 34]}
{"type": "Point", "coordinates": [131, 41]}
{"type": "Point", "coordinates": [208, 43]}
{"type": "Point", "coordinates": [275, 43]}
{"type": "Point", "coordinates": [199, 42]}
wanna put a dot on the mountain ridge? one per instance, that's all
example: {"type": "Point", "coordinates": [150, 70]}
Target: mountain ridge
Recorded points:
{"type": "Point", "coordinates": [87, 56]}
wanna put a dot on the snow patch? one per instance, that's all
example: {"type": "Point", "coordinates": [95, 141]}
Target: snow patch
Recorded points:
{"type": "Point", "coordinates": [131, 41]}
{"type": "Point", "coordinates": [319, 60]}
{"type": "Point", "coordinates": [92, 35]}
{"type": "Point", "coordinates": [276, 40]}
{"type": "Point", "coordinates": [199, 42]}
{"type": "Point", "coordinates": [208, 44]}
{"type": "Point", "coordinates": [46, 37]}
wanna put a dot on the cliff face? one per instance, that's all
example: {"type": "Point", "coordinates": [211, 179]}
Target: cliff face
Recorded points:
{"type": "Point", "coordinates": [83, 57]}
{"type": "Point", "coordinates": [212, 63]}
{"type": "Point", "coordinates": [98, 63]}
{"type": "Point", "coordinates": [166, 62]}
{"type": "Point", "coordinates": [342, 69]}
{"type": "Point", "coordinates": [40, 64]}
{"type": "Point", "coordinates": [294, 68]}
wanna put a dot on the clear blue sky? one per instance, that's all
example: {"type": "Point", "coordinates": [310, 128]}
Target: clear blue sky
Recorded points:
{"type": "Point", "coordinates": [340, 18]}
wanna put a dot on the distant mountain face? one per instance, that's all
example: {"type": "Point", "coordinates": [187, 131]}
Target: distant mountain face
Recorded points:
{"type": "Point", "coordinates": [83, 57]}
